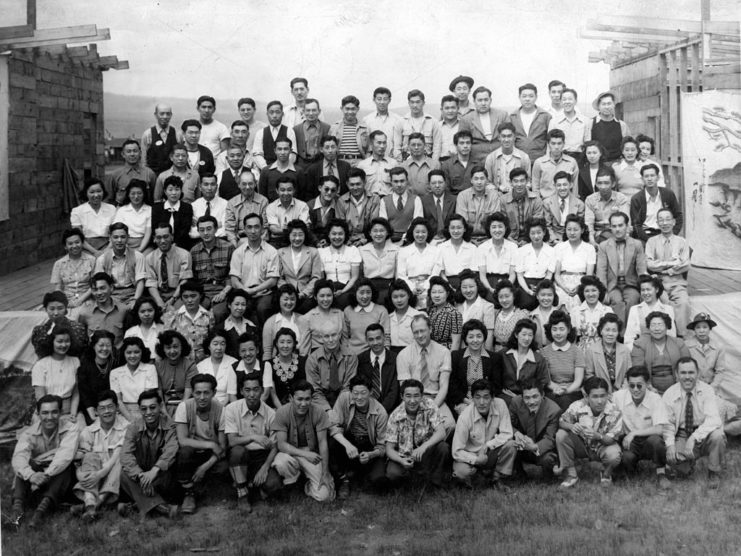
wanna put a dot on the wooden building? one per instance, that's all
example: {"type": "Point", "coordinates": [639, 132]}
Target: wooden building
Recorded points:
{"type": "Point", "coordinates": [653, 61]}
{"type": "Point", "coordinates": [51, 118]}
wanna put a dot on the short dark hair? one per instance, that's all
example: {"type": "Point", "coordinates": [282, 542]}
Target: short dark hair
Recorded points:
{"type": "Point", "coordinates": [416, 135]}
{"type": "Point", "coordinates": [89, 182]}
{"type": "Point", "coordinates": [687, 359]}
{"type": "Point", "coordinates": [321, 284]}
{"type": "Point", "coordinates": [359, 283]}
{"type": "Point", "coordinates": [375, 133]}
{"type": "Point", "coordinates": [71, 232]}
{"type": "Point", "coordinates": [608, 318]}
{"type": "Point", "coordinates": [527, 86]}
{"type": "Point", "coordinates": [274, 103]}
{"type": "Point", "coordinates": [301, 386]}
{"type": "Point", "coordinates": [480, 385]}
{"type": "Point", "coordinates": [299, 80]}
{"type": "Point", "coordinates": [619, 214]}
{"type": "Point", "coordinates": [138, 342]}
{"type": "Point", "coordinates": [118, 226]}
{"type": "Point", "coordinates": [192, 286]}
{"type": "Point", "coordinates": [411, 383]}
{"type": "Point", "coordinates": [357, 173]}
{"type": "Point", "coordinates": [330, 179]}
{"type": "Point", "coordinates": [215, 333]}
{"type": "Point", "coordinates": [326, 138]}
{"type": "Point", "coordinates": [234, 294]}
{"type": "Point", "coordinates": [54, 297]}
{"type": "Point", "coordinates": [98, 276]}
{"type": "Point", "coordinates": [339, 223]}
{"type": "Point", "coordinates": [246, 100]}
{"type": "Point", "coordinates": [479, 168]}
{"type": "Point", "coordinates": [398, 170]}
{"type": "Point", "coordinates": [350, 99]}
{"type": "Point", "coordinates": [96, 336]}
{"type": "Point", "coordinates": [537, 223]}
{"type": "Point", "coordinates": [650, 166]}
{"type": "Point", "coordinates": [546, 284]}
{"type": "Point", "coordinates": [150, 394]}
{"type": "Point", "coordinates": [449, 98]}
{"type": "Point", "coordinates": [374, 326]}
{"type": "Point", "coordinates": [575, 218]}
{"type": "Point", "coordinates": [506, 125]}
{"type": "Point", "coordinates": [166, 338]}
{"type": "Point", "coordinates": [402, 285]}
{"type": "Point", "coordinates": [107, 395]}
{"type": "Point", "coordinates": [205, 98]}
{"type": "Point", "coordinates": [569, 90]}
{"type": "Point", "coordinates": [605, 171]}
{"type": "Point", "coordinates": [519, 327]}
{"type": "Point", "coordinates": [473, 324]}
{"type": "Point", "coordinates": [203, 377]}
{"type": "Point", "coordinates": [204, 219]}
{"type": "Point", "coordinates": [48, 398]}
{"type": "Point", "coordinates": [479, 90]}
{"type": "Point", "coordinates": [189, 123]}
{"type": "Point", "coordinates": [530, 383]}
{"type": "Point", "coordinates": [504, 284]}
{"type": "Point", "coordinates": [555, 83]}
{"type": "Point", "coordinates": [659, 315]}
{"type": "Point", "coordinates": [419, 221]}
{"type": "Point", "coordinates": [560, 317]}
{"type": "Point", "coordinates": [436, 172]}
{"type": "Point", "coordinates": [462, 134]}
{"type": "Point", "coordinates": [466, 227]}
{"type": "Point", "coordinates": [285, 178]}
{"type": "Point", "coordinates": [638, 371]}
{"type": "Point", "coordinates": [561, 174]}
{"type": "Point", "coordinates": [381, 91]}
{"type": "Point", "coordinates": [130, 142]}
{"type": "Point", "coordinates": [138, 304]}
{"type": "Point", "coordinates": [285, 331]}
{"type": "Point", "coordinates": [517, 172]}
{"type": "Point", "coordinates": [359, 380]}
{"type": "Point", "coordinates": [556, 134]}
{"type": "Point", "coordinates": [595, 383]}
{"type": "Point", "coordinates": [590, 280]}
{"type": "Point", "coordinates": [499, 216]}
{"type": "Point", "coordinates": [415, 93]}
{"type": "Point", "coordinates": [243, 378]}
{"type": "Point", "coordinates": [378, 221]}
{"type": "Point", "coordinates": [655, 281]}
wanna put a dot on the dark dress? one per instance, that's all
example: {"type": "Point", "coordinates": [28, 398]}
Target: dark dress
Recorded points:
{"type": "Point", "coordinates": [91, 381]}
{"type": "Point", "coordinates": [173, 379]}
{"type": "Point", "coordinates": [458, 388]}
{"type": "Point", "coordinates": [284, 378]}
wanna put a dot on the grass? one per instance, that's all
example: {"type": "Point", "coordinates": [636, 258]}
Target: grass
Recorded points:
{"type": "Point", "coordinates": [632, 517]}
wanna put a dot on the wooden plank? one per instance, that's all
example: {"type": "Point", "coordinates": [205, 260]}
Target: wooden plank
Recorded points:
{"type": "Point", "coordinates": [667, 24]}
{"type": "Point", "coordinates": [695, 60]}
{"type": "Point", "coordinates": [31, 13]}
{"type": "Point", "coordinates": [662, 147]}
{"type": "Point", "coordinates": [4, 121]}
{"type": "Point", "coordinates": [722, 81]}
{"type": "Point", "coordinates": [727, 69]}
{"type": "Point", "coordinates": [16, 32]}
{"type": "Point", "coordinates": [56, 33]}
{"type": "Point", "coordinates": [103, 35]}
{"type": "Point", "coordinates": [630, 37]}
{"type": "Point", "coordinates": [673, 108]}
{"type": "Point", "coordinates": [670, 34]}
{"type": "Point", "coordinates": [683, 66]}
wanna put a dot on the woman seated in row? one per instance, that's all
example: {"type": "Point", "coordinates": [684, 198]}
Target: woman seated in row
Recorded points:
{"type": "Point", "coordinates": [658, 351]}
{"type": "Point", "coordinates": [607, 358]}
{"type": "Point", "coordinates": [548, 302]}
{"type": "Point", "coordinates": [71, 274]}
{"type": "Point", "coordinates": [131, 379]}
{"type": "Point", "coordinates": [94, 372]}
{"type": "Point", "coordinates": [94, 217]}
{"type": "Point", "coordinates": [137, 215]}
{"type": "Point", "coordinates": [508, 313]}
{"type": "Point", "coordinates": [457, 253]}
{"type": "Point", "coordinates": [497, 257]}
{"type": "Point", "coordinates": [470, 363]}
{"type": "Point", "coordinates": [287, 317]}
{"type": "Point", "coordinates": [323, 319]}
{"type": "Point", "coordinates": [565, 360]}
{"type": "Point", "coordinates": [651, 289]}
{"type": "Point", "coordinates": [300, 264]}
{"type": "Point", "coordinates": [363, 311]}
{"type": "Point", "coordinates": [419, 260]}
{"type": "Point", "coordinates": [575, 257]}
{"type": "Point", "coordinates": [445, 320]}
{"type": "Point", "coordinates": [520, 361]}
{"type": "Point", "coordinates": [474, 306]}
{"type": "Point", "coordinates": [380, 257]}
{"type": "Point", "coordinates": [536, 261]}
{"type": "Point", "coordinates": [340, 262]}
{"type": "Point", "coordinates": [284, 369]}
{"type": "Point", "coordinates": [403, 303]}
{"type": "Point", "coordinates": [586, 316]}
{"type": "Point", "coordinates": [174, 368]}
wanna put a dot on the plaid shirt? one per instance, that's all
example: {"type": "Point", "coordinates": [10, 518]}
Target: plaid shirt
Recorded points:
{"type": "Point", "coordinates": [408, 434]}
{"type": "Point", "coordinates": [608, 423]}
{"type": "Point", "coordinates": [212, 267]}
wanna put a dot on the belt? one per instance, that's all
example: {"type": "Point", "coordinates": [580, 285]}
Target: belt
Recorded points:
{"type": "Point", "coordinates": [572, 273]}
{"type": "Point", "coordinates": [351, 156]}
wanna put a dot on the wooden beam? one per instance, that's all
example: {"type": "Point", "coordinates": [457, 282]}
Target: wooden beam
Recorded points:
{"type": "Point", "coordinates": [664, 24]}
{"type": "Point", "coordinates": [629, 37]}
{"type": "Point", "coordinates": [122, 65]}
{"type": "Point", "coordinates": [54, 34]}
{"type": "Point", "coordinates": [77, 51]}
{"type": "Point", "coordinates": [31, 13]}
{"type": "Point", "coordinates": [101, 35]}
{"type": "Point", "coordinates": [16, 32]}
{"type": "Point", "coordinates": [643, 30]}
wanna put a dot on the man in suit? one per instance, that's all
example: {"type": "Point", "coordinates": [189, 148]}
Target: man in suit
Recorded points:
{"type": "Point", "coordinates": [158, 140]}
{"type": "Point", "coordinates": [174, 211]}
{"type": "Point", "coordinates": [402, 206]}
{"type": "Point", "coordinates": [531, 123]}
{"type": "Point", "coordinates": [521, 205]}
{"type": "Point", "coordinates": [457, 168]}
{"type": "Point", "coordinates": [323, 208]}
{"type": "Point", "coordinates": [240, 133]}
{"type": "Point", "coordinates": [328, 165]}
{"type": "Point", "coordinates": [557, 207]}
{"type": "Point", "coordinates": [483, 124]}
{"type": "Point", "coordinates": [309, 134]}
{"type": "Point", "coordinates": [620, 261]}
{"type": "Point", "coordinates": [645, 205]}
{"type": "Point", "coordinates": [200, 158]}
{"type": "Point", "coordinates": [438, 205]}
{"type": "Point", "coordinates": [356, 207]}
{"type": "Point", "coordinates": [378, 365]}
{"type": "Point", "coordinates": [282, 167]}
{"type": "Point", "coordinates": [378, 165]}
{"type": "Point", "coordinates": [132, 169]}
{"type": "Point", "coordinates": [604, 202]}
{"type": "Point", "coordinates": [228, 179]}
{"type": "Point", "coordinates": [535, 423]}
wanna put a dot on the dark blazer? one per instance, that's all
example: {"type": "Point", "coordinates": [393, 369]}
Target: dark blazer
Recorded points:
{"type": "Point", "coordinates": [586, 187]}
{"type": "Point", "coordinates": [315, 217]}
{"type": "Point", "coordinates": [638, 211]}
{"type": "Point", "coordinates": [183, 222]}
{"type": "Point", "coordinates": [430, 211]}
{"type": "Point", "coordinates": [300, 146]}
{"type": "Point", "coordinates": [645, 353]}
{"type": "Point", "coordinates": [206, 164]}
{"type": "Point", "coordinates": [508, 366]}
{"type": "Point", "coordinates": [458, 387]}
{"type": "Point", "coordinates": [481, 145]}
{"type": "Point", "coordinates": [544, 423]}
{"type": "Point", "coordinates": [607, 262]}
{"type": "Point", "coordinates": [389, 382]}
{"type": "Point", "coordinates": [314, 173]}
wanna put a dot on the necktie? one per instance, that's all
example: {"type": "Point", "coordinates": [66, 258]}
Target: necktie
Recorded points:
{"type": "Point", "coordinates": [163, 135]}
{"type": "Point", "coordinates": [164, 275]}
{"type": "Point", "coordinates": [172, 217]}
{"type": "Point", "coordinates": [530, 428]}
{"type": "Point", "coordinates": [330, 169]}
{"type": "Point", "coordinates": [424, 374]}
{"type": "Point", "coordinates": [334, 374]}
{"type": "Point", "coordinates": [667, 250]}
{"type": "Point", "coordinates": [621, 258]}
{"type": "Point", "coordinates": [440, 223]}
{"type": "Point", "coordinates": [399, 204]}
{"type": "Point", "coordinates": [208, 208]}
{"type": "Point", "coordinates": [376, 380]}
{"type": "Point", "coordinates": [689, 415]}
{"type": "Point", "coordinates": [563, 210]}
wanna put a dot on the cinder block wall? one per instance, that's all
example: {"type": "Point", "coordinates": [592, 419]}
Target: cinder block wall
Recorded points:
{"type": "Point", "coordinates": [56, 112]}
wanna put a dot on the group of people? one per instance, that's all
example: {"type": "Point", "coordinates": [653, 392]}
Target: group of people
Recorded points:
{"type": "Point", "coordinates": [364, 300]}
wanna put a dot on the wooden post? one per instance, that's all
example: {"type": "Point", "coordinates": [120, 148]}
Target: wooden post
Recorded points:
{"type": "Point", "coordinates": [705, 17]}
{"type": "Point", "coordinates": [4, 116]}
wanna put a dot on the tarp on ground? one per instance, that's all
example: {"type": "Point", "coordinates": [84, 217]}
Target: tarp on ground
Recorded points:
{"type": "Point", "coordinates": [16, 359]}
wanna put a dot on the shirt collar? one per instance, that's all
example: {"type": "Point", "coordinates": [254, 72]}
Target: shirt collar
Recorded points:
{"type": "Point", "coordinates": [246, 410]}
{"type": "Point", "coordinates": [229, 323]}
{"type": "Point", "coordinates": [467, 353]}
{"type": "Point", "coordinates": [529, 357]}
{"type": "Point", "coordinates": [564, 347]}
{"type": "Point", "coordinates": [289, 166]}
{"type": "Point", "coordinates": [367, 309]}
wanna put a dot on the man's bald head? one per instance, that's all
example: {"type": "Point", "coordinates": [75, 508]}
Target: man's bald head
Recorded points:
{"type": "Point", "coordinates": [163, 113]}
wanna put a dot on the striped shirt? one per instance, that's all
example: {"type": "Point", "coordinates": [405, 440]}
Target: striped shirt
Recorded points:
{"type": "Point", "coordinates": [349, 141]}
{"type": "Point", "coordinates": [562, 361]}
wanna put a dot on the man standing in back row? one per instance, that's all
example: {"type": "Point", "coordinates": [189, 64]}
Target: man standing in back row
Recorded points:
{"type": "Point", "coordinates": [483, 124]}
{"type": "Point", "coordinates": [158, 140]}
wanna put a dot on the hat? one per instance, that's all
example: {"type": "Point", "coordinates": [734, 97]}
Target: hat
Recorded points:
{"type": "Point", "coordinates": [600, 96]}
{"type": "Point", "coordinates": [702, 317]}
{"type": "Point", "coordinates": [467, 80]}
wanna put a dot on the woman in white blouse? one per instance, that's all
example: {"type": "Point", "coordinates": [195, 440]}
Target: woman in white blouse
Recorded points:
{"type": "Point", "coordinates": [57, 373]}
{"type": "Point", "coordinates": [575, 257]}
{"type": "Point", "coordinates": [379, 257]}
{"type": "Point", "coordinates": [419, 260]}
{"type": "Point", "coordinates": [137, 215]}
{"type": "Point", "coordinates": [94, 217]}
{"type": "Point", "coordinates": [219, 365]}
{"type": "Point", "coordinates": [286, 317]}
{"type": "Point", "coordinates": [651, 289]}
{"type": "Point", "coordinates": [536, 260]}
{"type": "Point", "coordinates": [474, 306]}
{"type": "Point", "coordinates": [457, 253]}
{"type": "Point", "coordinates": [340, 262]}
{"type": "Point", "coordinates": [133, 378]}
{"type": "Point", "coordinates": [71, 274]}
{"type": "Point", "coordinates": [497, 257]}
{"type": "Point", "coordinates": [402, 312]}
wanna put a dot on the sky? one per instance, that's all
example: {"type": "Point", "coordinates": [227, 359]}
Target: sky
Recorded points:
{"type": "Point", "coordinates": [234, 48]}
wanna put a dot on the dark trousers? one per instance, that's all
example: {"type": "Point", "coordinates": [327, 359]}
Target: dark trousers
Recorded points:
{"type": "Point", "coordinates": [434, 466]}
{"type": "Point", "coordinates": [565, 400]}
{"type": "Point", "coordinates": [166, 490]}
{"type": "Point", "coordinates": [189, 459]}
{"type": "Point", "coordinates": [249, 463]}
{"type": "Point", "coordinates": [382, 287]}
{"type": "Point", "coordinates": [341, 300]}
{"type": "Point", "coordinates": [261, 307]}
{"type": "Point", "coordinates": [525, 300]}
{"type": "Point", "coordinates": [341, 465]}
{"type": "Point", "coordinates": [645, 447]}
{"type": "Point", "coordinates": [545, 461]}
{"type": "Point", "coordinates": [55, 489]}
